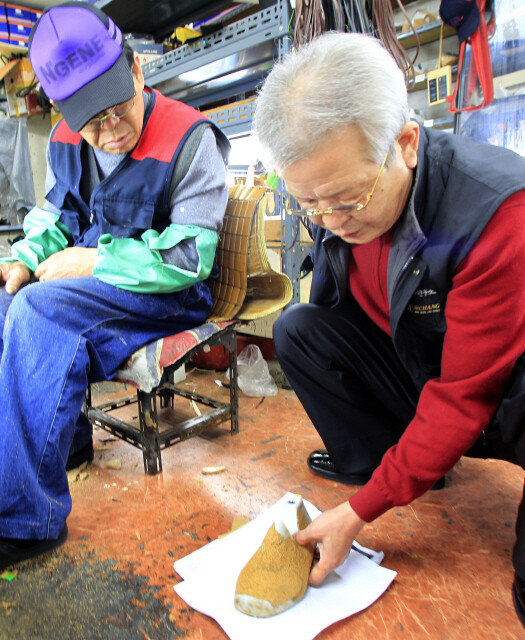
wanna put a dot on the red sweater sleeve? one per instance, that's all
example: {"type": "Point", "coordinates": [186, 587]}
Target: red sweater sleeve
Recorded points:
{"type": "Point", "coordinates": [485, 335]}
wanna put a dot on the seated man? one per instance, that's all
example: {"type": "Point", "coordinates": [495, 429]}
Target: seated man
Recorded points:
{"type": "Point", "coordinates": [119, 256]}
{"type": "Point", "coordinates": [411, 352]}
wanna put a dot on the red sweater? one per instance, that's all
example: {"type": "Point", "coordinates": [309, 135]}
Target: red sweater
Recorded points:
{"type": "Point", "coordinates": [485, 335]}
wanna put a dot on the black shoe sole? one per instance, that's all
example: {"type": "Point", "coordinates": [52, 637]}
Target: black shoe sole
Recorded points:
{"type": "Point", "coordinates": [440, 484]}
{"type": "Point", "coordinates": [343, 478]}
{"type": "Point", "coordinates": [86, 454]}
{"type": "Point", "coordinates": [10, 554]}
{"type": "Point", "coordinates": [356, 478]}
{"type": "Point", "coordinates": [520, 612]}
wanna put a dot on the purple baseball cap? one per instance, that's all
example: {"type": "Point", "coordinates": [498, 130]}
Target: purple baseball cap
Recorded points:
{"type": "Point", "coordinates": [76, 53]}
{"type": "Point", "coordinates": [463, 15]}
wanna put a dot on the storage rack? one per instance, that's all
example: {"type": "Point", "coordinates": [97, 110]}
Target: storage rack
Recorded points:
{"type": "Point", "coordinates": [160, 17]}
{"type": "Point", "coordinates": [224, 66]}
{"type": "Point", "coordinates": [226, 63]}
{"type": "Point", "coordinates": [427, 34]}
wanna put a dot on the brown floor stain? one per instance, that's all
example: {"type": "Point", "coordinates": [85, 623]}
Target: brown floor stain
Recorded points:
{"type": "Point", "coordinates": [80, 597]}
{"type": "Point", "coordinates": [115, 575]}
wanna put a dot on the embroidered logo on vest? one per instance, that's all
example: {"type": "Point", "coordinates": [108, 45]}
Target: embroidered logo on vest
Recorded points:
{"type": "Point", "coordinates": [425, 303]}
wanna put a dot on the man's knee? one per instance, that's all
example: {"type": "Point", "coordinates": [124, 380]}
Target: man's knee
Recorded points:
{"type": "Point", "coordinates": [22, 302]}
{"type": "Point", "coordinates": [295, 322]}
{"type": "Point", "coordinates": [28, 306]}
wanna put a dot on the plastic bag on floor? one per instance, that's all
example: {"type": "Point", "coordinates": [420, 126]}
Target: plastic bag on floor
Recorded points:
{"type": "Point", "coordinates": [254, 377]}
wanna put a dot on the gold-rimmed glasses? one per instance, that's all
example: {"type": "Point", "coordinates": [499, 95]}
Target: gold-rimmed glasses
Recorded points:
{"type": "Point", "coordinates": [358, 206]}
{"type": "Point", "coordinates": [119, 111]}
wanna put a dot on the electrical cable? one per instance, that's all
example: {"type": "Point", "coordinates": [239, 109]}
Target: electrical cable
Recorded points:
{"type": "Point", "coordinates": [289, 31]}
{"type": "Point", "coordinates": [374, 17]}
{"type": "Point", "coordinates": [25, 91]}
{"type": "Point", "coordinates": [383, 20]}
{"type": "Point", "coordinates": [310, 21]}
{"type": "Point", "coordinates": [412, 79]}
{"type": "Point", "coordinates": [338, 15]}
{"type": "Point", "coordinates": [350, 25]}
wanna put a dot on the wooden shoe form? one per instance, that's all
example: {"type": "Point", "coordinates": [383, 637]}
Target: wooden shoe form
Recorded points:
{"type": "Point", "coordinates": [276, 576]}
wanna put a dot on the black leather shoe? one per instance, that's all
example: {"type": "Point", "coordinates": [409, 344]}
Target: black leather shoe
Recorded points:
{"type": "Point", "coordinates": [13, 550]}
{"type": "Point", "coordinates": [86, 454]}
{"type": "Point", "coordinates": [518, 597]}
{"type": "Point", "coordinates": [440, 484]}
{"type": "Point", "coordinates": [321, 464]}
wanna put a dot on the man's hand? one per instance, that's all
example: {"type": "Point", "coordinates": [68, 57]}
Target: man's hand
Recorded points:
{"type": "Point", "coordinates": [333, 531]}
{"type": "Point", "coordinates": [14, 274]}
{"type": "Point", "coordinates": [74, 262]}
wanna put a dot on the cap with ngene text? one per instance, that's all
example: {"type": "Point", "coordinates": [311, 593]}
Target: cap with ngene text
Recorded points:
{"type": "Point", "coordinates": [76, 53]}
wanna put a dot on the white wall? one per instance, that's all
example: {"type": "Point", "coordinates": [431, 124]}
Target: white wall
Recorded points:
{"type": "Point", "coordinates": [38, 129]}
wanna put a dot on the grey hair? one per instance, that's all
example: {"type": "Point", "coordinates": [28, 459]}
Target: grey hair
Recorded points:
{"type": "Point", "coordinates": [336, 80]}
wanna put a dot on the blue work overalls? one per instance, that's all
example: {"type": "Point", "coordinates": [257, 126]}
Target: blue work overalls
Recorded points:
{"type": "Point", "coordinates": [58, 336]}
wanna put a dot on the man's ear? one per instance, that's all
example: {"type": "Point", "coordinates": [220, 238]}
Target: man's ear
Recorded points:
{"type": "Point", "coordinates": [136, 69]}
{"type": "Point", "coordinates": [408, 141]}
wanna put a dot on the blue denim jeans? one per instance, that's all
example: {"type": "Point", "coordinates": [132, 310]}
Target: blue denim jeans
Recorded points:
{"type": "Point", "coordinates": [58, 337]}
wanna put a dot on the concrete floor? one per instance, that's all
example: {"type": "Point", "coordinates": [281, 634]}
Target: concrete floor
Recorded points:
{"type": "Point", "coordinates": [114, 577]}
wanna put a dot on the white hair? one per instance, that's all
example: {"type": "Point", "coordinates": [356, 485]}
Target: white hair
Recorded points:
{"type": "Point", "coordinates": [336, 80]}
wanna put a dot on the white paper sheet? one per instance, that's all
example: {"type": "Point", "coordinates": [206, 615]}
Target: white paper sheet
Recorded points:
{"type": "Point", "coordinates": [210, 575]}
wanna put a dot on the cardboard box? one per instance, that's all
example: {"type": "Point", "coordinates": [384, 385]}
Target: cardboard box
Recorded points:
{"type": "Point", "coordinates": [16, 107]}
{"type": "Point", "coordinates": [144, 58]}
{"type": "Point", "coordinates": [147, 51]}
{"type": "Point", "coordinates": [55, 117]}
{"type": "Point", "coordinates": [272, 231]}
{"type": "Point", "coordinates": [18, 75]}
{"type": "Point", "coordinates": [19, 41]}
{"type": "Point", "coordinates": [19, 29]}
{"type": "Point", "coordinates": [148, 48]}
{"type": "Point", "coordinates": [23, 105]}
{"type": "Point", "coordinates": [19, 13]}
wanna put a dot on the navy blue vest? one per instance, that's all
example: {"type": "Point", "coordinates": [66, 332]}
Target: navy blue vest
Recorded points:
{"type": "Point", "coordinates": [460, 186]}
{"type": "Point", "coordinates": [136, 196]}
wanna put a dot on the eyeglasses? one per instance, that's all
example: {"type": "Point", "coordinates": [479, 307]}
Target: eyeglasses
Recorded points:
{"type": "Point", "coordinates": [358, 206]}
{"type": "Point", "coordinates": [120, 111]}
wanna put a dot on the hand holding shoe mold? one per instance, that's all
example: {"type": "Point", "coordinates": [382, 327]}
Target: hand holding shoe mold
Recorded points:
{"type": "Point", "coordinates": [276, 576]}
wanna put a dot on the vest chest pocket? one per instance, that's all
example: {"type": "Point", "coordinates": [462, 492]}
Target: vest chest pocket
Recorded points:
{"type": "Point", "coordinates": [127, 218]}
{"type": "Point", "coordinates": [420, 334]}
{"type": "Point", "coordinates": [426, 311]}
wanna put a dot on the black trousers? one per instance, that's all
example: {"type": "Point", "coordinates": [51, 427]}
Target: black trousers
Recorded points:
{"type": "Point", "coordinates": [360, 397]}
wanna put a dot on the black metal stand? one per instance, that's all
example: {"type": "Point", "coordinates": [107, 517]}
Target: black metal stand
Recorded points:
{"type": "Point", "coordinates": [148, 436]}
